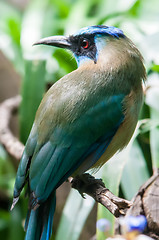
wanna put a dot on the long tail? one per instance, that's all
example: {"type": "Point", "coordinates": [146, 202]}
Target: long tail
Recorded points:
{"type": "Point", "coordinates": [39, 222]}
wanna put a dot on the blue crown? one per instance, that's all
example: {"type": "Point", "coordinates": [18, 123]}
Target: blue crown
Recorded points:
{"type": "Point", "coordinates": [102, 30]}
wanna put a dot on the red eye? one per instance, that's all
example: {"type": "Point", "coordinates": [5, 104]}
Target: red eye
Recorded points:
{"type": "Point", "coordinates": [85, 43]}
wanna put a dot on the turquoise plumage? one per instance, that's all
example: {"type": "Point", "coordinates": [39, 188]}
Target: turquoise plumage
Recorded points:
{"type": "Point", "coordinates": [83, 120]}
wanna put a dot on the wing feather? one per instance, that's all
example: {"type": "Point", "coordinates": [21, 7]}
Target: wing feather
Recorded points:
{"type": "Point", "coordinates": [86, 138]}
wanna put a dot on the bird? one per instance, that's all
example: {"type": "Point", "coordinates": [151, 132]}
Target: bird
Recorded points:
{"type": "Point", "coordinates": [83, 119]}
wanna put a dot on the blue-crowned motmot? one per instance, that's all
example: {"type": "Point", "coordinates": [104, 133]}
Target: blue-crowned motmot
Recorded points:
{"type": "Point", "coordinates": [83, 119]}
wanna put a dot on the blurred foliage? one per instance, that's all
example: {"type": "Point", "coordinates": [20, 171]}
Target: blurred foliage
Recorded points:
{"type": "Point", "coordinates": [24, 22]}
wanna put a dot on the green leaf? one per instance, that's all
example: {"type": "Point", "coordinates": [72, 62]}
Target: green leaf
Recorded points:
{"type": "Point", "coordinates": [152, 100]}
{"type": "Point", "coordinates": [7, 172]}
{"type": "Point", "coordinates": [135, 172]}
{"type": "Point", "coordinates": [32, 93]}
{"type": "Point", "coordinates": [65, 60]}
{"type": "Point", "coordinates": [10, 28]}
{"type": "Point", "coordinates": [74, 216]}
{"type": "Point", "coordinates": [154, 140]}
{"type": "Point", "coordinates": [14, 30]}
{"type": "Point", "coordinates": [77, 19]}
{"type": "Point", "coordinates": [16, 231]}
{"type": "Point", "coordinates": [152, 93]}
{"type": "Point", "coordinates": [155, 68]}
{"type": "Point", "coordinates": [149, 45]}
{"type": "Point", "coordinates": [4, 219]}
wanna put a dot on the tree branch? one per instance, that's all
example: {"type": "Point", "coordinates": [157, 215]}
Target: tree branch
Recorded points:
{"type": "Point", "coordinates": [146, 203]}
{"type": "Point", "coordinates": [12, 145]}
{"type": "Point", "coordinates": [96, 189]}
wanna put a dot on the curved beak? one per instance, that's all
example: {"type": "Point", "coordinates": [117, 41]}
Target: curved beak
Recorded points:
{"type": "Point", "coordinates": [56, 41]}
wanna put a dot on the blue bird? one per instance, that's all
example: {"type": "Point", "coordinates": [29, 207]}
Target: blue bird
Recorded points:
{"type": "Point", "coordinates": [82, 121]}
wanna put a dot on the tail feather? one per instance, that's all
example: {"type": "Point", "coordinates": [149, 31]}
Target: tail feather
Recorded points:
{"type": "Point", "coordinates": [39, 222]}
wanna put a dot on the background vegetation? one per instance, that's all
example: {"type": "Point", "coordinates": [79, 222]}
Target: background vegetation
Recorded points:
{"type": "Point", "coordinates": [24, 22]}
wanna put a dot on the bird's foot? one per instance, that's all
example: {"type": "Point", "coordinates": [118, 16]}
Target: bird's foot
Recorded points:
{"type": "Point", "coordinates": [95, 188]}
{"type": "Point", "coordinates": [86, 183]}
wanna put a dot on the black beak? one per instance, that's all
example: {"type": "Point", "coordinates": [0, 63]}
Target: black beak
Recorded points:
{"type": "Point", "coordinates": [56, 41]}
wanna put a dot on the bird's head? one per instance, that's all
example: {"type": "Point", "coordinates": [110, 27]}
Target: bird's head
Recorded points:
{"type": "Point", "coordinates": [105, 50]}
{"type": "Point", "coordinates": [87, 43]}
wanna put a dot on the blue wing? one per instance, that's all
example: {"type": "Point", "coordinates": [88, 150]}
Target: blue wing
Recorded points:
{"type": "Point", "coordinates": [49, 164]}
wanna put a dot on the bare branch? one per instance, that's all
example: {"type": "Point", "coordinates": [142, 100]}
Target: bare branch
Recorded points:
{"type": "Point", "coordinates": [95, 188]}
{"type": "Point", "coordinates": [12, 145]}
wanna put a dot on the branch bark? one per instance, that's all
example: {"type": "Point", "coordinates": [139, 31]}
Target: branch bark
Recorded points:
{"type": "Point", "coordinates": [146, 203]}
{"type": "Point", "coordinates": [96, 189]}
{"type": "Point", "coordinates": [12, 145]}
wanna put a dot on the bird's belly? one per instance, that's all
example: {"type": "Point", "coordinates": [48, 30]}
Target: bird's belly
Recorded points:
{"type": "Point", "coordinates": [132, 104]}
{"type": "Point", "coordinates": [119, 141]}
